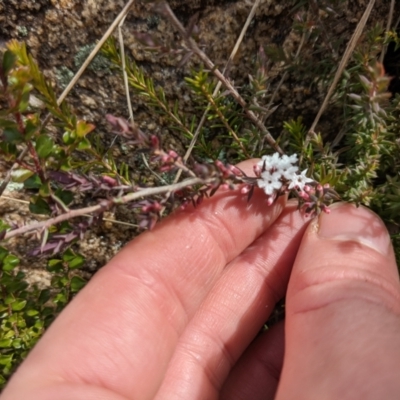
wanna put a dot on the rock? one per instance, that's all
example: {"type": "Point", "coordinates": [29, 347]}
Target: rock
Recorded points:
{"type": "Point", "coordinates": [61, 33]}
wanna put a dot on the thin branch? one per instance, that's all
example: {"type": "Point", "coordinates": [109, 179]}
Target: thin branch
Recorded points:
{"type": "Point", "coordinates": [125, 75]}
{"type": "Point", "coordinates": [396, 24]}
{"type": "Point", "coordinates": [219, 84]}
{"type": "Point", "coordinates": [159, 177]}
{"type": "Point", "coordinates": [94, 52]}
{"type": "Point", "coordinates": [271, 101]}
{"type": "Point", "coordinates": [388, 26]}
{"type": "Point", "coordinates": [346, 56]}
{"type": "Point", "coordinates": [325, 36]}
{"type": "Point", "coordinates": [113, 221]}
{"type": "Point", "coordinates": [191, 43]}
{"type": "Point", "coordinates": [225, 122]}
{"type": "Point", "coordinates": [91, 56]}
{"type": "Point", "coordinates": [105, 205]}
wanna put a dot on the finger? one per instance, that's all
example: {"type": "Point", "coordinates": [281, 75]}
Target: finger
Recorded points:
{"type": "Point", "coordinates": [256, 375]}
{"type": "Point", "coordinates": [233, 312]}
{"type": "Point", "coordinates": [122, 328]}
{"type": "Point", "coordinates": [342, 311]}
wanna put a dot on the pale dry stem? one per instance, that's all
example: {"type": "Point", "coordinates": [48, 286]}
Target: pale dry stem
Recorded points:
{"type": "Point", "coordinates": [342, 65]}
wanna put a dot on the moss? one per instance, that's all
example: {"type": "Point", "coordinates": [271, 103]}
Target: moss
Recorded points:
{"type": "Point", "coordinates": [22, 30]}
{"type": "Point", "coordinates": [64, 76]}
{"type": "Point", "coordinates": [99, 63]}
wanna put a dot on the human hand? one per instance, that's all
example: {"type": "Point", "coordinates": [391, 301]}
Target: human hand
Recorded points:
{"type": "Point", "coordinates": [175, 315]}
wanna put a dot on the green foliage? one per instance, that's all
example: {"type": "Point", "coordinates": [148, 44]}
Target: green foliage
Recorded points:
{"type": "Point", "coordinates": [48, 152]}
{"type": "Point", "coordinates": [145, 87]}
{"type": "Point", "coordinates": [26, 311]}
{"type": "Point", "coordinates": [359, 159]}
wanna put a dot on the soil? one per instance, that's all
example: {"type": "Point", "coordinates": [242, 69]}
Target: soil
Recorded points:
{"type": "Point", "coordinates": [60, 32]}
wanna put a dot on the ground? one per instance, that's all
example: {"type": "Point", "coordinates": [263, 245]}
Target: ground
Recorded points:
{"type": "Point", "coordinates": [60, 33]}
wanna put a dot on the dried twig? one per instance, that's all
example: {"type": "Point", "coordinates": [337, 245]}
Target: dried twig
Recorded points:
{"type": "Point", "coordinates": [91, 56]}
{"type": "Point", "coordinates": [219, 84]}
{"type": "Point", "coordinates": [105, 205]}
{"type": "Point", "coordinates": [94, 52]}
{"type": "Point", "coordinates": [125, 75]}
{"type": "Point", "coordinates": [113, 221]}
{"type": "Point", "coordinates": [165, 9]}
{"type": "Point", "coordinates": [346, 56]}
{"type": "Point", "coordinates": [324, 33]}
{"type": "Point", "coordinates": [272, 99]}
{"type": "Point", "coordinates": [388, 26]}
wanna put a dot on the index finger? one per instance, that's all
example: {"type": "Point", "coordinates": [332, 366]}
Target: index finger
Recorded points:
{"type": "Point", "coordinates": [123, 326]}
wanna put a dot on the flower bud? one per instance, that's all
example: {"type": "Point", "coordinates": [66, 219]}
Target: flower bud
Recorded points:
{"type": "Point", "coordinates": [245, 189]}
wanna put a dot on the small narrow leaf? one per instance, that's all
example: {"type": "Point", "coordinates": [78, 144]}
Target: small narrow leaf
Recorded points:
{"type": "Point", "coordinates": [9, 60]}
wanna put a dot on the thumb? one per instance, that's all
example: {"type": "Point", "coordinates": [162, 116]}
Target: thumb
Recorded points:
{"type": "Point", "coordinates": [343, 311]}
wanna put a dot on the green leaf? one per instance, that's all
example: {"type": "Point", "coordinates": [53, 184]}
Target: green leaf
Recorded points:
{"type": "Point", "coordinates": [9, 151]}
{"type": "Point", "coordinates": [6, 359]}
{"type": "Point", "coordinates": [60, 298]}
{"type": "Point", "coordinates": [5, 343]}
{"type": "Point", "coordinates": [55, 265]}
{"type": "Point", "coordinates": [44, 146]}
{"type": "Point", "coordinates": [84, 144]}
{"type": "Point", "coordinates": [68, 255]}
{"type": "Point", "coordinates": [5, 123]}
{"type": "Point", "coordinates": [31, 127]}
{"type": "Point", "coordinates": [21, 175]}
{"type": "Point", "coordinates": [33, 182]}
{"type": "Point", "coordinates": [3, 251]}
{"type": "Point", "coordinates": [44, 296]}
{"type": "Point", "coordinates": [69, 137]}
{"type": "Point", "coordinates": [83, 128]}
{"type": "Point", "coordinates": [10, 262]}
{"type": "Point", "coordinates": [9, 60]}
{"type": "Point", "coordinates": [32, 313]}
{"type": "Point", "coordinates": [45, 189]}
{"type": "Point", "coordinates": [18, 305]}
{"type": "Point", "coordinates": [76, 262]}
{"type": "Point", "coordinates": [65, 196]}
{"type": "Point", "coordinates": [3, 228]}
{"type": "Point", "coordinates": [77, 283]}
{"type": "Point", "coordinates": [39, 206]}
{"type": "Point", "coordinates": [12, 135]}
{"type": "Point", "coordinates": [24, 101]}
{"type": "Point", "coordinates": [17, 343]}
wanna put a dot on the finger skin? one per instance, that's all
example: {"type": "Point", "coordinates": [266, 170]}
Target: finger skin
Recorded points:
{"type": "Point", "coordinates": [343, 312]}
{"type": "Point", "coordinates": [233, 312]}
{"type": "Point", "coordinates": [256, 375]}
{"type": "Point", "coordinates": [122, 328]}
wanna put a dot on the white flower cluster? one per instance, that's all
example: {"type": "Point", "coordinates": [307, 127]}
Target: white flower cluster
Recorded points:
{"type": "Point", "coordinates": [277, 170]}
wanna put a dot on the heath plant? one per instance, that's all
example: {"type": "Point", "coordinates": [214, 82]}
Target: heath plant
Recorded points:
{"type": "Point", "coordinates": [59, 160]}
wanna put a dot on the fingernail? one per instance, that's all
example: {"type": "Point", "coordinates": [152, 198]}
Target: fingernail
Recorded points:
{"type": "Point", "coordinates": [347, 222]}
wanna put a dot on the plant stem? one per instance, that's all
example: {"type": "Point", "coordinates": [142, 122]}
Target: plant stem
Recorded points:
{"type": "Point", "coordinates": [105, 205]}
{"type": "Point", "coordinates": [166, 10]}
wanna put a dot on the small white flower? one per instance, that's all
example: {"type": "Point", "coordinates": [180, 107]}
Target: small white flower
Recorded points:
{"type": "Point", "coordinates": [289, 159]}
{"type": "Point", "coordinates": [299, 181]}
{"type": "Point", "coordinates": [270, 182]}
{"type": "Point", "coordinates": [269, 162]}
{"type": "Point", "coordinates": [289, 171]}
